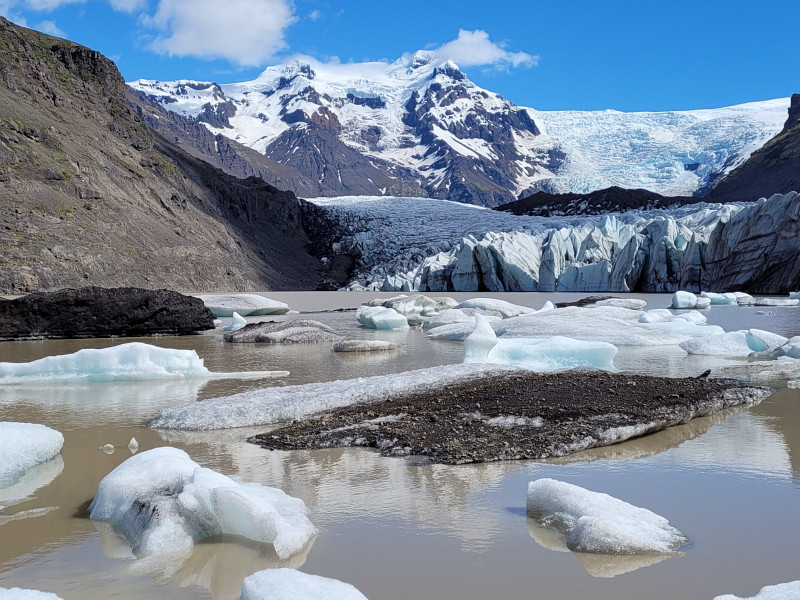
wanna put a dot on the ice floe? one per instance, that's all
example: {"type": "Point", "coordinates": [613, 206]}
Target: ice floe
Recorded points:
{"type": "Point", "coordinates": [365, 346]}
{"type": "Point", "coordinates": [781, 591]}
{"type": "Point", "coordinates": [761, 371]}
{"type": "Point", "coordinates": [281, 404]}
{"type": "Point", "coordinates": [380, 317]}
{"type": "Point", "coordinates": [727, 298]}
{"type": "Point", "coordinates": [298, 331]}
{"type": "Point", "coordinates": [164, 503]}
{"type": "Point", "coordinates": [224, 305]}
{"type": "Point", "coordinates": [778, 302]}
{"type": "Point", "coordinates": [502, 307]}
{"type": "Point", "coordinates": [599, 523]}
{"type": "Point", "coordinates": [790, 348]}
{"type": "Point", "coordinates": [734, 343]}
{"type": "Point", "coordinates": [23, 594]}
{"type": "Point", "coordinates": [134, 361]}
{"type": "Point", "coordinates": [630, 303]}
{"type": "Point", "coordinates": [288, 584]}
{"type": "Point", "coordinates": [617, 326]}
{"type": "Point", "coordinates": [237, 322]}
{"type": "Point", "coordinates": [549, 354]}
{"type": "Point", "coordinates": [416, 305]}
{"type": "Point", "coordinates": [23, 446]}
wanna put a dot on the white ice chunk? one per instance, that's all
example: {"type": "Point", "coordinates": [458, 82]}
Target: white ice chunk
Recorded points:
{"type": "Point", "coordinates": [778, 302]}
{"type": "Point", "coordinates": [734, 343]}
{"type": "Point", "coordinates": [288, 584]}
{"type": "Point", "coordinates": [417, 305]}
{"type": "Point", "coordinates": [134, 361]}
{"type": "Point", "coordinates": [224, 305]}
{"type": "Point", "coordinates": [761, 371]}
{"type": "Point", "coordinates": [743, 299]}
{"type": "Point", "coordinates": [599, 523]}
{"type": "Point", "coordinates": [781, 591]}
{"type": "Point", "coordinates": [237, 322]}
{"type": "Point", "coordinates": [692, 316]}
{"type": "Point", "coordinates": [630, 303]}
{"type": "Point", "coordinates": [133, 446]}
{"type": "Point", "coordinates": [22, 594]}
{"type": "Point", "coordinates": [703, 303]}
{"type": "Point", "coordinates": [720, 299]}
{"type": "Point", "coordinates": [549, 354]}
{"type": "Point", "coordinates": [458, 315]}
{"type": "Point", "coordinates": [379, 317]}
{"type": "Point", "coordinates": [681, 299]}
{"type": "Point", "coordinates": [790, 348]}
{"type": "Point", "coordinates": [503, 308]}
{"type": "Point", "coordinates": [794, 295]}
{"type": "Point", "coordinates": [164, 503]}
{"type": "Point", "coordinates": [23, 446]}
{"type": "Point", "coordinates": [279, 404]}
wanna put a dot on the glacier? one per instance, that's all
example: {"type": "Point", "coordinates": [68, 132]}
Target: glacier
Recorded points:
{"type": "Point", "coordinates": [421, 127]}
{"type": "Point", "coordinates": [165, 503]}
{"type": "Point", "coordinates": [599, 523]}
{"type": "Point", "coordinates": [427, 245]}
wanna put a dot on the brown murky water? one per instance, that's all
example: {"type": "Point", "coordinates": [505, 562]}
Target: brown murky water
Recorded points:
{"type": "Point", "coordinates": [730, 482]}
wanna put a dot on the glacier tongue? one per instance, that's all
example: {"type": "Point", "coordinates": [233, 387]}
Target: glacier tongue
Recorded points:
{"type": "Point", "coordinates": [405, 244]}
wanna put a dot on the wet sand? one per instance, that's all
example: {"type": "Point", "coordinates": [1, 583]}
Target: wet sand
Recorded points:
{"type": "Point", "coordinates": [515, 416]}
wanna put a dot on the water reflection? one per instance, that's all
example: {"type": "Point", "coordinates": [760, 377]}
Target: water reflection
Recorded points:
{"type": "Point", "coordinates": [218, 565]}
{"type": "Point", "coordinates": [597, 565]}
{"type": "Point", "coordinates": [33, 479]}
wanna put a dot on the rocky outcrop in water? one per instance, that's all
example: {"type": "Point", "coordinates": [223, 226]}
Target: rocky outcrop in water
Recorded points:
{"type": "Point", "coordinates": [101, 312]}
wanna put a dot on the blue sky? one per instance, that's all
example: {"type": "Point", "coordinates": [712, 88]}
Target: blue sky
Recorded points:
{"type": "Point", "coordinates": [581, 54]}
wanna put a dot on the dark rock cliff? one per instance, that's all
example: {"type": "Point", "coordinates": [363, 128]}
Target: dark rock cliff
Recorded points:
{"type": "Point", "coordinates": [773, 169]}
{"type": "Point", "coordinates": [90, 195]}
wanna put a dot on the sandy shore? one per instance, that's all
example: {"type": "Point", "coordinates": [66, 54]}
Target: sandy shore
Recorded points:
{"type": "Point", "coordinates": [515, 416]}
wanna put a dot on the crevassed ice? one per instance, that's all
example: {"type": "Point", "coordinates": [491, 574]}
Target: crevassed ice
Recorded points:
{"type": "Point", "coordinates": [288, 584]}
{"type": "Point", "coordinates": [126, 362]}
{"type": "Point", "coordinates": [23, 446]}
{"type": "Point", "coordinates": [164, 503]}
{"type": "Point", "coordinates": [224, 305]}
{"type": "Point", "coordinates": [599, 523]}
{"type": "Point", "coordinates": [274, 405]}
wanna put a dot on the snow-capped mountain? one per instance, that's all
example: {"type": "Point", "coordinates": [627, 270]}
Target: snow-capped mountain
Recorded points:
{"type": "Point", "coordinates": [420, 127]}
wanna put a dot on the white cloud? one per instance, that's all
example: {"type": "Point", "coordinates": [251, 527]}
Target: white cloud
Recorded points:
{"type": "Point", "coordinates": [474, 48]}
{"type": "Point", "coordinates": [314, 15]}
{"type": "Point", "coordinates": [49, 5]}
{"type": "Point", "coordinates": [128, 6]}
{"type": "Point", "coordinates": [46, 4]}
{"type": "Point", "coordinates": [50, 28]}
{"type": "Point", "coordinates": [245, 32]}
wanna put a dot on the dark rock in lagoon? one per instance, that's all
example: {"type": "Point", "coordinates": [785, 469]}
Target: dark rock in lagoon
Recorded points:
{"type": "Point", "coordinates": [102, 312]}
{"type": "Point", "coordinates": [515, 416]}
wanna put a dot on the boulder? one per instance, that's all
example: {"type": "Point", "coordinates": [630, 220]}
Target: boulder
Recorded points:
{"type": "Point", "coordinates": [102, 312]}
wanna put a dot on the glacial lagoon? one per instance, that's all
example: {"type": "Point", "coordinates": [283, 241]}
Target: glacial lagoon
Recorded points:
{"type": "Point", "coordinates": [396, 529]}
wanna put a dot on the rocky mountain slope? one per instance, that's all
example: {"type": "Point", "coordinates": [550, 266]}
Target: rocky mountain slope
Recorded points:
{"type": "Point", "coordinates": [773, 169]}
{"type": "Point", "coordinates": [420, 127]}
{"type": "Point", "coordinates": [90, 195]}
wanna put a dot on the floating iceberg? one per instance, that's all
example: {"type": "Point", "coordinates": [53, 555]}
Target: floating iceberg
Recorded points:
{"type": "Point", "coordinates": [505, 309]}
{"type": "Point", "coordinates": [281, 404]}
{"type": "Point", "coordinates": [761, 371]}
{"type": "Point", "coordinates": [365, 346]}
{"type": "Point", "coordinates": [781, 591]}
{"type": "Point", "coordinates": [164, 503]}
{"type": "Point", "coordinates": [21, 594]}
{"type": "Point", "coordinates": [728, 298]}
{"type": "Point", "coordinates": [549, 354]}
{"type": "Point", "coordinates": [599, 523]}
{"type": "Point", "coordinates": [134, 361]}
{"type": "Point", "coordinates": [791, 348]}
{"type": "Point", "coordinates": [224, 305]}
{"type": "Point", "coordinates": [743, 299]}
{"type": "Point", "coordinates": [237, 322]}
{"type": "Point", "coordinates": [379, 317]}
{"type": "Point", "coordinates": [734, 343]}
{"type": "Point", "coordinates": [23, 446]}
{"type": "Point", "coordinates": [630, 303]}
{"type": "Point", "coordinates": [458, 315]}
{"type": "Point", "coordinates": [417, 305]}
{"type": "Point", "coordinates": [683, 300]}
{"type": "Point", "coordinates": [288, 584]}
{"type": "Point", "coordinates": [778, 302]}
{"type": "Point", "coordinates": [298, 331]}
{"type": "Point", "coordinates": [794, 295]}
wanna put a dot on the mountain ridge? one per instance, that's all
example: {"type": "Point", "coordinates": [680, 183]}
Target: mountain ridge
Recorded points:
{"type": "Point", "coordinates": [422, 128]}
